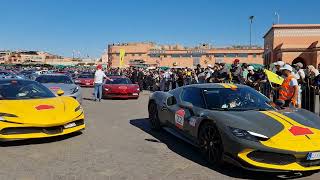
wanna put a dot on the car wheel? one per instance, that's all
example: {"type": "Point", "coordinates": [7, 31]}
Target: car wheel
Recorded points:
{"type": "Point", "coordinates": [210, 143]}
{"type": "Point", "coordinates": [153, 116]}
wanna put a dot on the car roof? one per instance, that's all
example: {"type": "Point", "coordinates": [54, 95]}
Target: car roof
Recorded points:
{"type": "Point", "coordinates": [118, 77]}
{"type": "Point", "coordinates": [215, 85]}
{"type": "Point", "coordinates": [53, 74]}
{"type": "Point", "coordinates": [15, 79]}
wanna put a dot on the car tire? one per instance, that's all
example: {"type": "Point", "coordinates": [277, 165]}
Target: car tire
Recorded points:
{"type": "Point", "coordinates": [153, 117]}
{"type": "Point", "coordinates": [210, 143]}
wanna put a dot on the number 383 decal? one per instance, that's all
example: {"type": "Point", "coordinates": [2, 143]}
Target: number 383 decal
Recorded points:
{"type": "Point", "coordinates": [179, 118]}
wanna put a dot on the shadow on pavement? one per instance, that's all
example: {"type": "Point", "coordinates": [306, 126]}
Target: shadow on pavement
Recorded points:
{"type": "Point", "coordinates": [38, 140]}
{"type": "Point", "coordinates": [190, 152]}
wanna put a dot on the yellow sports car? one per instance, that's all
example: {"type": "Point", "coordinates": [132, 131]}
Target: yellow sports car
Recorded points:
{"type": "Point", "coordinates": [30, 110]}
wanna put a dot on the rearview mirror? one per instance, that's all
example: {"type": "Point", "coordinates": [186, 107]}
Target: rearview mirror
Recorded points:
{"type": "Point", "coordinates": [60, 92]}
{"type": "Point", "coordinates": [186, 105]}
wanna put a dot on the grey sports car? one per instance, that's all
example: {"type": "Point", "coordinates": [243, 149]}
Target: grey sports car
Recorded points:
{"type": "Point", "coordinates": [236, 124]}
{"type": "Point", "coordinates": [63, 82]}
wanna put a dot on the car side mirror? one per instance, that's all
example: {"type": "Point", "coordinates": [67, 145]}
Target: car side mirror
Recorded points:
{"type": "Point", "coordinates": [60, 92]}
{"type": "Point", "coordinates": [171, 101]}
{"type": "Point", "coordinates": [186, 105]}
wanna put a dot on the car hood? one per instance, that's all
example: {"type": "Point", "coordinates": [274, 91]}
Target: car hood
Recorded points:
{"type": "Point", "coordinates": [122, 87]}
{"type": "Point", "coordinates": [40, 112]}
{"type": "Point", "coordinates": [291, 129]}
{"type": "Point", "coordinates": [67, 88]}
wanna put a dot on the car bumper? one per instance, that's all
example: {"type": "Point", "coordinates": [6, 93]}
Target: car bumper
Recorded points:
{"type": "Point", "coordinates": [121, 95]}
{"type": "Point", "coordinates": [272, 164]}
{"type": "Point", "coordinates": [21, 132]}
{"type": "Point", "coordinates": [255, 156]}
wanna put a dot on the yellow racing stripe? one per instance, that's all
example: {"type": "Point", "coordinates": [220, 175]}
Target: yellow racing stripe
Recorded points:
{"type": "Point", "coordinates": [228, 86]}
{"type": "Point", "coordinates": [285, 140]}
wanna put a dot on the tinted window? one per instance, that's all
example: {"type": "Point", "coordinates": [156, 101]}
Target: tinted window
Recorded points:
{"type": "Point", "coordinates": [194, 96]}
{"type": "Point", "coordinates": [235, 99]}
{"type": "Point", "coordinates": [20, 89]}
{"type": "Point", "coordinates": [119, 81]}
{"type": "Point", "coordinates": [54, 79]}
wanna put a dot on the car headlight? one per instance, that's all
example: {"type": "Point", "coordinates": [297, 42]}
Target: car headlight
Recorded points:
{"type": "Point", "coordinates": [78, 108]}
{"type": "Point", "coordinates": [106, 89]}
{"type": "Point", "coordinates": [248, 135]}
{"type": "Point", "coordinates": [75, 90]}
{"type": "Point", "coordinates": [138, 89]}
{"type": "Point", "coordinates": [77, 81]}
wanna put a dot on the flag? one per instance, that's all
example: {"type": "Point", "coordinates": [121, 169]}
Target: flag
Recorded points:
{"type": "Point", "coordinates": [273, 77]}
{"type": "Point", "coordinates": [122, 54]}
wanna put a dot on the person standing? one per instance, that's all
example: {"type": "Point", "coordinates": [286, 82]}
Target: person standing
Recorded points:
{"type": "Point", "coordinates": [288, 93]}
{"type": "Point", "coordinates": [99, 76]}
{"type": "Point", "coordinates": [140, 79]}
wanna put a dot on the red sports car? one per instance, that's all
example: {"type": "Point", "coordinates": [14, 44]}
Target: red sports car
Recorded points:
{"type": "Point", "coordinates": [85, 80]}
{"type": "Point", "coordinates": [120, 87]}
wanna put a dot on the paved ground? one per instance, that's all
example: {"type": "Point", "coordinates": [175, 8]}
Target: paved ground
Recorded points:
{"type": "Point", "coordinates": [117, 144]}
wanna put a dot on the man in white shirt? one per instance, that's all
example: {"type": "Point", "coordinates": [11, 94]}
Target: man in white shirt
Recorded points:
{"type": "Point", "coordinates": [99, 76]}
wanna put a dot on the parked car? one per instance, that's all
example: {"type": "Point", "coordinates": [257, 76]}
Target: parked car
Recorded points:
{"type": "Point", "coordinates": [120, 87]}
{"type": "Point", "coordinates": [57, 82]}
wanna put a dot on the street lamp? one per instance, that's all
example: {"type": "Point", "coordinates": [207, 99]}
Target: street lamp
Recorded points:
{"type": "Point", "coordinates": [278, 17]}
{"type": "Point", "coordinates": [251, 21]}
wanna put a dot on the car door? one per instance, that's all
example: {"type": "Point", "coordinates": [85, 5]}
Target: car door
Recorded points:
{"type": "Point", "coordinates": [186, 118]}
{"type": "Point", "coordinates": [169, 106]}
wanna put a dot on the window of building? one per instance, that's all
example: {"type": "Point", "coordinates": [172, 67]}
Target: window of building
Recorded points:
{"type": "Point", "coordinates": [196, 55]}
{"type": "Point", "coordinates": [185, 55]}
{"type": "Point", "coordinates": [154, 55]}
{"type": "Point", "coordinates": [243, 55]}
{"type": "Point", "coordinates": [254, 55]}
{"type": "Point", "coordinates": [175, 55]}
{"type": "Point", "coordinates": [218, 55]}
{"type": "Point", "coordinates": [231, 55]}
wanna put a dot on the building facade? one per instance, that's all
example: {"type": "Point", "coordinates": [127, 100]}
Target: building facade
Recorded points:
{"type": "Point", "coordinates": [154, 55]}
{"type": "Point", "coordinates": [293, 43]}
{"type": "Point", "coordinates": [20, 57]}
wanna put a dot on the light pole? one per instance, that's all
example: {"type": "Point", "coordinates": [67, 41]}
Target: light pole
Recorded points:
{"type": "Point", "coordinates": [278, 16]}
{"type": "Point", "coordinates": [251, 21]}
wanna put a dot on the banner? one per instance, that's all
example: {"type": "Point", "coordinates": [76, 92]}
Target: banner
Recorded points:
{"type": "Point", "coordinates": [122, 54]}
{"type": "Point", "coordinates": [273, 77]}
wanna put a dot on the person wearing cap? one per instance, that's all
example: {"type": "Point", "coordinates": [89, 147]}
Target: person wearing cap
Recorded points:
{"type": "Point", "coordinates": [300, 76]}
{"type": "Point", "coordinates": [252, 77]}
{"type": "Point", "coordinates": [278, 65]}
{"type": "Point", "coordinates": [99, 75]}
{"type": "Point", "coordinates": [289, 90]}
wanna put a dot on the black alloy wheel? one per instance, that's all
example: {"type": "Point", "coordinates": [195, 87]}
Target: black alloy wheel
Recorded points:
{"type": "Point", "coordinates": [210, 143]}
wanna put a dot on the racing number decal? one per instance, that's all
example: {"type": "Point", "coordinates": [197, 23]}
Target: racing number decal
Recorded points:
{"type": "Point", "coordinates": [179, 118]}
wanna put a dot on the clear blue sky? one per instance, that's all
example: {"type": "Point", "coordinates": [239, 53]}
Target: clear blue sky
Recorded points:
{"type": "Point", "coordinates": [61, 26]}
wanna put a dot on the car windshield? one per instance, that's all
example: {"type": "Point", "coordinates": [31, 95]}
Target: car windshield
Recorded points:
{"type": "Point", "coordinates": [119, 81]}
{"type": "Point", "coordinates": [54, 79]}
{"type": "Point", "coordinates": [21, 89]}
{"type": "Point", "coordinates": [239, 99]}
{"type": "Point", "coordinates": [87, 76]}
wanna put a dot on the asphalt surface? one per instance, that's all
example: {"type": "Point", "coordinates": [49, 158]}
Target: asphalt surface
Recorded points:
{"type": "Point", "coordinates": [117, 144]}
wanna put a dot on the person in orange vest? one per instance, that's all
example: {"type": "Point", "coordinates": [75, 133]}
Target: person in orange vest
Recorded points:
{"type": "Point", "coordinates": [289, 90]}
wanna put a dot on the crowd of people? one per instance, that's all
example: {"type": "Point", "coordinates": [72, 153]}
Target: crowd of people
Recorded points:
{"type": "Point", "coordinates": [159, 79]}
